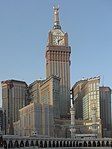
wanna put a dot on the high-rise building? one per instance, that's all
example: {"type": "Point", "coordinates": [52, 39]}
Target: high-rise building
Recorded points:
{"type": "Point", "coordinates": [77, 98]}
{"type": "Point", "coordinates": [14, 95]}
{"type": "Point", "coordinates": [50, 94]}
{"type": "Point", "coordinates": [46, 92]}
{"type": "Point", "coordinates": [40, 114]}
{"type": "Point", "coordinates": [105, 110]}
{"type": "Point", "coordinates": [58, 61]}
{"type": "Point", "coordinates": [34, 91]}
{"type": "Point", "coordinates": [87, 103]}
{"type": "Point", "coordinates": [87, 94]}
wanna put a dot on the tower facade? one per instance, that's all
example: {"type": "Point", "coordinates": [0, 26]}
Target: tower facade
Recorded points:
{"type": "Point", "coordinates": [2, 121]}
{"type": "Point", "coordinates": [14, 96]}
{"type": "Point", "coordinates": [58, 61]}
{"type": "Point", "coordinates": [105, 110]}
{"type": "Point", "coordinates": [85, 95]}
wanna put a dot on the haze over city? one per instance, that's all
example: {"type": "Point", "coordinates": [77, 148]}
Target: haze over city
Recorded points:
{"type": "Point", "coordinates": [24, 30]}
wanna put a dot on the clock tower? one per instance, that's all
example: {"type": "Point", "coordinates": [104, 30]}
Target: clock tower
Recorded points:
{"type": "Point", "coordinates": [58, 61]}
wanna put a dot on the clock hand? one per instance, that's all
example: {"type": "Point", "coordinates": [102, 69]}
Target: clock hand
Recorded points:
{"type": "Point", "coordinates": [59, 40]}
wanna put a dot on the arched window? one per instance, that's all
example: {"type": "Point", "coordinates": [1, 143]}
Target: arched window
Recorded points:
{"type": "Point", "coordinates": [64, 144]}
{"type": "Point", "coordinates": [10, 145]}
{"type": "Point", "coordinates": [111, 144]}
{"type": "Point", "coordinates": [5, 144]}
{"type": "Point", "coordinates": [32, 143]}
{"type": "Point", "coordinates": [27, 143]}
{"type": "Point", "coordinates": [80, 144]}
{"type": "Point", "coordinates": [45, 144]}
{"type": "Point", "coordinates": [94, 144]}
{"type": "Point", "coordinates": [50, 144]}
{"type": "Point", "coordinates": [53, 143]}
{"type": "Point", "coordinates": [21, 144]}
{"type": "Point", "coordinates": [36, 143]}
{"type": "Point", "coordinates": [77, 144]}
{"type": "Point", "coordinates": [41, 143]}
{"type": "Point", "coordinates": [98, 143]}
{"type": "Point", "coordinates": [85, 144]}
{"type": "Point", "coordinates": [16, 144]}
{"type": "Point", "coordinates": [74, 144]}
{"type": "Point", "coordinates": [1, 141]}
{"type": "Point", "coordinates": [70, 143]}
{"type": "Point", "coordinates": [89, 144]}
{"type": "Point", "coordinates": [103, 143]}
{"type": "Point", "coordinates": [61, 144]}
{"type": "Point", "coordinates": [57, 144]}
{"type": "Point", "coordinates": [107, 143]}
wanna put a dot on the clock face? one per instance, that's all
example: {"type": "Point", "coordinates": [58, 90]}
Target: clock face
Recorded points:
{"type": "Point", "coordinates": [58, 40]}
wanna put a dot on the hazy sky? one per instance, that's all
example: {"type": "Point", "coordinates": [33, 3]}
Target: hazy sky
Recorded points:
{"type": "Point", "coordinates": [24, 26]}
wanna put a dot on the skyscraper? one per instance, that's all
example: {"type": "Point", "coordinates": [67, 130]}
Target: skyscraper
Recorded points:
{"type": "Point", "coordinates": [14, 94]}
{"type": "Point", "coordinates": [58, 61]}
{"type": "Point", "coordinates": [40, 114]}
{"type": "Point", "coordinates": [105, 110]}
{"type": "Point", "coordinates": [88, 94]}
{"type": "Point", "coordinates": [50, 94]}
{"type": "Point", "coordinates": [33, 91]}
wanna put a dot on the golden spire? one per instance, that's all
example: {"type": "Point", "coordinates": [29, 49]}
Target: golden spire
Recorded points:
{"type": "Point", "coordinates": [56, 18]}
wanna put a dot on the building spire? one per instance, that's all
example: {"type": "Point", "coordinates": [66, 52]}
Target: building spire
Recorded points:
{"type": "Point", "coordinates": [56, 18]}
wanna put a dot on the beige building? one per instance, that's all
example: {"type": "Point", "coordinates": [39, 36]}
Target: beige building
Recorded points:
{"type": "Point", "coordinates": [14, 97]}
{"type": "Point", "coordinates": [47, 120]}
{"type": "Point", "coordinates": [34, 91]}
{"type": "Point", "coordinates": [85, 96]}
{"type": "Point", "coordinates": [86, 99]}
{"type": "Point", "coordinates": [46, 92]}
{"type": "Point", "coordinates": [50, 94]}
{"type": "Point", "coordinates": [16, 126]}
{"type": "Point", "coordinates": [83, 127]}
{"type": "Point", "coordinates": [30, 119]}
{"type": "Point", "coordinates": [58, 61]}
{"type": "Point", "coordinates": [35, 119]}
{"type": "Point", "coordinates": [88, 94]}
{"type": "Point", "coordinates": [39, 115]}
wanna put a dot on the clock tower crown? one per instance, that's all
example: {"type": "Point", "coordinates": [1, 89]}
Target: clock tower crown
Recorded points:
{"type": "Point", "coordinates": [56, 36]}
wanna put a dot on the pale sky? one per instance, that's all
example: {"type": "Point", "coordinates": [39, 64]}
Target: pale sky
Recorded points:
{"type": "Point", "coordinates": [24, 27]}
